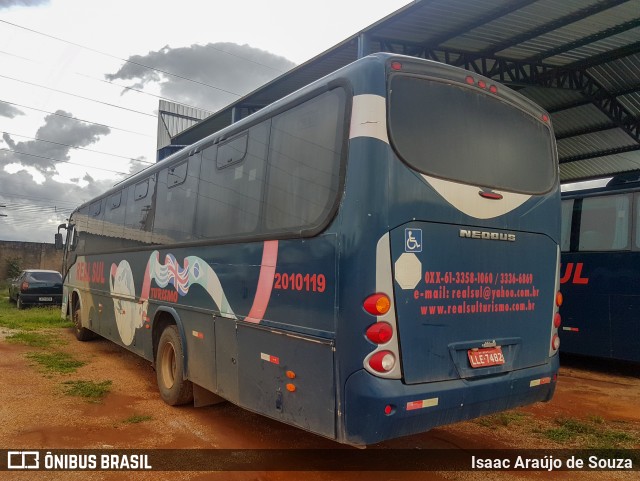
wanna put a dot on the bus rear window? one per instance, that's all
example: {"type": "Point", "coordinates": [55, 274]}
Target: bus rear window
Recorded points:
{"type": "Point", "coordinates": [468, 136]}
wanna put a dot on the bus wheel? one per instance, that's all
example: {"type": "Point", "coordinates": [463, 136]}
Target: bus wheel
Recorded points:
{"type": "Point", "coordinates": [82, 333]}
{"type": "Point", "coordinates": [174, 389]}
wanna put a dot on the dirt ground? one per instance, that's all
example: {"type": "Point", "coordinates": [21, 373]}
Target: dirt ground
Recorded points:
{"type": "Point", "coordinates": [36, 414]}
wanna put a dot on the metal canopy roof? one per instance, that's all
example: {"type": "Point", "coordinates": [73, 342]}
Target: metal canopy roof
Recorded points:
{"type": "Point", "coordinates": [578, 59]}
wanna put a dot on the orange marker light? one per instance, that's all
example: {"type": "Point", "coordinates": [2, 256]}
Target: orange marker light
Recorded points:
{"type": "Point", "coordinates": [291, 387]}
{"type": "Point", "coordinates": [377, 304]}
{"type": "Point", "coordinates": [291, 374]}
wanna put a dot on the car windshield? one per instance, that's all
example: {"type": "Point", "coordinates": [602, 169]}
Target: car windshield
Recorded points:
{"type": "Point", "coordinates": [45, 277]}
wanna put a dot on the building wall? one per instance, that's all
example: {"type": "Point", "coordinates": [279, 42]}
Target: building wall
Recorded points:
{"type": "Point", "coordinates": [31, 255]}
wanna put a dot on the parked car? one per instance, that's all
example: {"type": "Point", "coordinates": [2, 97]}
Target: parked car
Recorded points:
{"type": "Point", "coordinates": [36, 287]}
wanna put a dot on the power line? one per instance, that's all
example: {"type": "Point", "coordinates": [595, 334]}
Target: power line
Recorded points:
{"type": "Point", "coordinates": [140, 91]}
{"type": "Point", "coordinates": [74, 118]}
{"type": "Point", "coordinates": [64, 161]}
{"type": "Point", "coordinates": [111, 82]}
{"type": "Point", "coordinates": [120, 58]}
{"type": "Point", "coordinates": [43, 199]}
{"type": "Point", "coordinates": [76, 95]}
{"type": "Point", "coordinates": [78, 148]}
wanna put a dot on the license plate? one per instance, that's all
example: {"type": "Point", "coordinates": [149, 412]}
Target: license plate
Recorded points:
{"type": "Point", "coordinates": [45, 299]}
{"type": "Point", "coordinates": [490, 356]}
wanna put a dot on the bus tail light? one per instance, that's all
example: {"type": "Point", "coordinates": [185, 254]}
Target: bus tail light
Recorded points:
{"type": "Point", "coordinates": [377, 304]}
{"type": "Point", "coordinates": [24, 286]}
{"type": "Point", "coordinates": [380, 333]}
{"type": "Point", "coordinates": [382, 361]}
{"type": "Point", "coordinates": [557, 320]}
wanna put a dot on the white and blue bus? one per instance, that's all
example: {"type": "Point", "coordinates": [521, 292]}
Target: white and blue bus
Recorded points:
{"type": "Point", "coordinates": [600, 273]}
{"type": "Point", "coordinates": [369, 257]}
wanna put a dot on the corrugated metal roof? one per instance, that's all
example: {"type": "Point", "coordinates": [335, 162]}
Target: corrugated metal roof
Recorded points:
{"type": "Point", "coordinates": [579, 59]}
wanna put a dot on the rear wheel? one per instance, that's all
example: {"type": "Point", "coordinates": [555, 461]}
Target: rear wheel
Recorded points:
{"type": "Point", "coordinates": [82, 333]}
{"type": "Point", "coordinates": [174, 389]}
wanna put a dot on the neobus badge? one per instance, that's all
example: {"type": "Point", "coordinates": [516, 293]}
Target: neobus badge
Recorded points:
{"type": "Point", "coordinates": [476, 234]}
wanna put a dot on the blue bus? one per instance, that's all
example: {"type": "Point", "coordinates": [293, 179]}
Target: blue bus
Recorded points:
{"type": "Point", "coordinates": [601, 270]}
{"type": "Point", "coordinates": [369, 257]}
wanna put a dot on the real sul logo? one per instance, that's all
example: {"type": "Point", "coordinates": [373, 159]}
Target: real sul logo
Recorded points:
{"type": "Point", "coordinates": [413, 240]}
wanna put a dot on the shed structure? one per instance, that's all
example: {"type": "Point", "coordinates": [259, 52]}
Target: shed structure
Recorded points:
{"type": "Point", "coordinates": [578, 59]}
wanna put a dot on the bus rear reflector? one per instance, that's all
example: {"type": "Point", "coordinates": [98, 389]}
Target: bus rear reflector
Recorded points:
{"type": "Point", "coordinates": [555, 342]}
{"type": "Point", "coordinates": [383, 361]}
{"type": "Point", "coordinates": [396, 65]}
{"type": "Point", "coordinates": [380, 333]}
{"type": "Point", "coordinates": [377, 304]}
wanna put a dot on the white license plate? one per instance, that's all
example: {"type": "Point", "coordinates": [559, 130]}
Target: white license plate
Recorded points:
{"type": "Point", "coordinates": [45, 299]}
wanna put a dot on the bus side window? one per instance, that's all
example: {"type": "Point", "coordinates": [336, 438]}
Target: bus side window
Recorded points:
{"type": "Point", "coordinates": [604, 223]}
{"type": "Point", "coordinates": [565, 233]}
{"type": "Point", "coordinates": [81, 228]}
{"type": "Point", "coordinates": [231, 185]}
{"type": "Point", "coordinates": [176, 201]}
{"type": "Point", "coordinates": [140, 210]}
{"type": "Point", "coordinates": [304, 163]}
{"type": "Point", "coordinates": [114, 218]}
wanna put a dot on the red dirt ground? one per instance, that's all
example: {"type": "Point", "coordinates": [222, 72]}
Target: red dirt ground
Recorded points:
{"type": "Point", "coordinates": [35, 414]}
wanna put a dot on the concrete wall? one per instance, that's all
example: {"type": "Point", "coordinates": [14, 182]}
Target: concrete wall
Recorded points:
{"type": "Point", "coordinates": [32, 255]}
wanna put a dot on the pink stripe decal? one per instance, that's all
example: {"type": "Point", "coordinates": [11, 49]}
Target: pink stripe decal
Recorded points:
{"type": "Point", "coordinates": [146, 285]}
{"type": "Point", "coordinates": [265, 282]}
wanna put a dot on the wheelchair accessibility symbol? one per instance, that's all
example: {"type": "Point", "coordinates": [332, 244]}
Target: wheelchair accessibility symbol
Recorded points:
{"type": "Point", "coordinates": [413, 240]}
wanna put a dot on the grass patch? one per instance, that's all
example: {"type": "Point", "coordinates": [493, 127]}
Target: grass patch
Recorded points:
{"type": "Point", "coordinates": [591, 434]}
{"type": "Point", "coordinates": [33, 339]}
{"type": "Point", "coordinates": [29, 319]}
{"type": "Point", "coordinates": [501, 419]}
{"type": "Point", "coordinates": [90, 390]}
{"type": "Point", "coordinates": [59, 362]}
{"type": "Point", "coordinates": [137, 418]}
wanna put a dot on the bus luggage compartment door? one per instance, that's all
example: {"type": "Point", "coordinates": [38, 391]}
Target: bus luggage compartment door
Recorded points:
{"type": "Point", "coordinates": [471, 301]}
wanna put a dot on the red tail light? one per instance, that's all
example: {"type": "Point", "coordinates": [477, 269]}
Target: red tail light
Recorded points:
{"type": "Point", "coordinates": [555, 343]}
{"type": "Point", "coordinates": [377, 304]}
{"type": "Point", "coordinates": [24, 286]}
{"type": "Point", "coordinates": [557, 320]}
{"type": "Point", "coordinates": [380, 332]}
{"type": "Point", "coordinates": [383, 361]}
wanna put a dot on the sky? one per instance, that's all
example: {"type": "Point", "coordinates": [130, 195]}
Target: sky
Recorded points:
{"type": "Point", "coordinates": [78, 101]}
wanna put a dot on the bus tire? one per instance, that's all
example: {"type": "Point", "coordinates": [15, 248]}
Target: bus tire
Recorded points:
{"type": "Point", "coordinates": [174, 389]}
{"type": "Point", "coordinates": [82, 333]}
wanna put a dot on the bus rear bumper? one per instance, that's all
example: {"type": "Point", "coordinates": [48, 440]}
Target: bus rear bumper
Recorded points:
{"type": "Point", "coordinates": [378, 409]}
